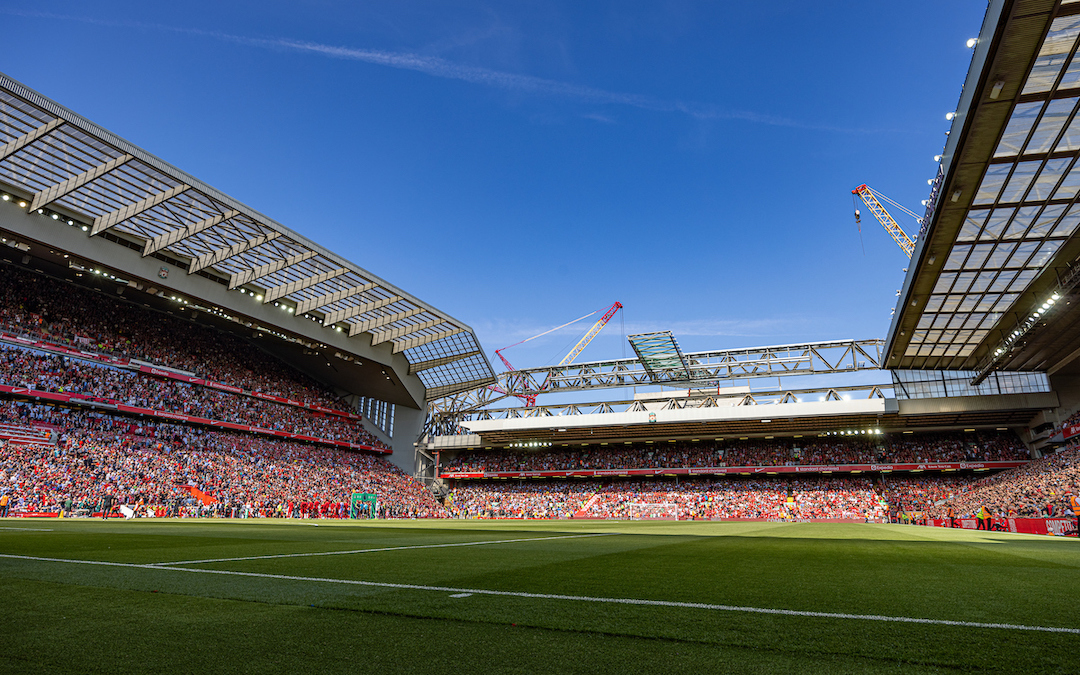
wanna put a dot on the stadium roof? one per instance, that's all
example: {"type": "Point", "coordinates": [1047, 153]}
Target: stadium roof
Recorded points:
{"type": "Point", "coordinates": [58, 160]}
{"type": "Point", "coordinates": [992, 276]}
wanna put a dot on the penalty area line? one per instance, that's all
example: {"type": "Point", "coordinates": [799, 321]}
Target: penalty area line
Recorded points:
{"type": "Point", "coordinates": [388, 548]}
{"type": "Point", "coordinates": [465, 592]}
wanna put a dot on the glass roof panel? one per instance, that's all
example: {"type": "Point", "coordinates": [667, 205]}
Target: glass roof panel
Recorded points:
{"type": "Point", "coordinates": [997, 259]}
{"type": "Point", "coordinates": [978, 256]}
{"type": "Point", "coordinates": [944, 282]}
{"type": "Point", "coordinates": [1070, 185]}
{"type": "Point", "coordinates": [995, 224]}
{"type": "Point", "coordinates": [1067, 225]}
{"type": "Point", "coordinates": [1046, 252]}
{"type": "Point", "coordinates": [1053, 121]}
{"type": "Point", "coordinates": [1002, 282]}
{"type": "Point", "coordinates": [982, 282]}
{"type": "Point", "coordinates": [1071, 139]}
{"type": "Point", "coordinates": [1023, 118]}
{"type": "Point", "coordinates": [934, 303]}
{"type": "Point", "coordinates": [1046, 220]}
{"type": "Point", "coordinates": [972, 224]}
{"type": "Point", "coordinates": [956, 257]}
{"type": "Point", "coordinates": [1049, 177]}
{"type": "Point", "coordinates": [1019, 181]}
{"type": "Point", "coordinates": [1023, 251]}
{"type": "Point", "coordinates": [1055, 50]}
{"type": "Point", "coordinates": [992, 183]}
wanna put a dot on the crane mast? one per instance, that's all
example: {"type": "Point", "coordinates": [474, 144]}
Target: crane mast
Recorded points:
{"type": "Point", "coordinates": [870, 198]}
{"type": "Point", "coordinates": [584, 342]}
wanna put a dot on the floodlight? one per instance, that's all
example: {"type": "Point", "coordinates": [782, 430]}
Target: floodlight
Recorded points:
{"type": "Point", "coordinates": [950, 116]}
{"type": "Point", "coordinates": [972, 42]}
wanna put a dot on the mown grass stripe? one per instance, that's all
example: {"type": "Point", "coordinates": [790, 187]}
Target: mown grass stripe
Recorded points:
{"type": "Point", "coordinates": [574, 598]}
{"type": "Point", "coordinates": [388, 548]}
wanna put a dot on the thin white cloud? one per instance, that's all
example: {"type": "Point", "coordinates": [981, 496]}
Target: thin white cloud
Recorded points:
{"type": "Point", "coordinates": [439, 67]}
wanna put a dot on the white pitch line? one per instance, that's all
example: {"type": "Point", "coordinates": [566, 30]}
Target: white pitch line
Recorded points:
{"type": "Point", "coordinates": [575, 598]}
{"type": "Point", "coordinates": [390, 548]}
{"type": "Point", "coordinates": [27, 529]}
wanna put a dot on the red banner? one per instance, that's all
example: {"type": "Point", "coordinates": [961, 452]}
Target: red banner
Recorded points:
{"type": "Point", "coordinates": [1061, 527]}
{"type": "Point", "coordinates": [1070, 431]}
{"type": "Point", "coordinates": [736, 470]}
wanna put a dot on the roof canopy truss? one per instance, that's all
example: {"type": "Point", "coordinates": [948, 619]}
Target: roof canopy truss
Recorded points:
{"type": "Point", "coordinates": [13, 146]}
{"type": "Point", "coordinates": [173, 236]}
{"type": "Point", "coordinates": [372, 324]}
{"type": "Point", "coordinates": [247, 276]}
{"type": "Point", "coordinates": [59, 190]}
{"type": "Point", "coordinates": [110, 220]}
{"type": "Point", "coordinates": [357, 310]}
{"type": "Point", "coordinates": [307, 282]}
{"type": "Point", "coordinates": [308, 304]}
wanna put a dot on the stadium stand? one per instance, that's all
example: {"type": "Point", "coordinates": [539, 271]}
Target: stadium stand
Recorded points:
{"type": "Point", "coordinates": [1037, 490]}
{"type": "Point", "coordinates": [63, 374]}
{"type": "Point", "coordinates": [155, 466]}
{"type": "Point", "coordinates": [693, 499]}
{"type": "Point", "coordinates": [67, 314]}
{"type": "Point", "coordinates": [936, 447]}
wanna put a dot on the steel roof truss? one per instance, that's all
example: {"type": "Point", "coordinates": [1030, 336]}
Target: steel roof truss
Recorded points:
{"type": "Point", "coordinates": [386, 336]}
{"type": "Point", "coordinates": [419, 366]}
{"type": "Point", "coordinates": [314, 303]}
{"type": "Point", "coordinates": [342, 314]}
{"type": "Point", "coordinates": [118, 216]}
{"type": "Point", "coordinates": [247, 276]}
{"type": "Point", "coordinates": [381, 321]}
{"type": "Point", "coordinates": [214, 257]}
{"type": "Point", "coordinates": [169, 238]}
{"type": "Point", "coordinates": [299, 285]}
{"type": "Point", "coordinates": [26, 139]}
{"type": "Point", "coordinates": [54, 192]}
{"type": "Point", "coordinates": [416, 342]}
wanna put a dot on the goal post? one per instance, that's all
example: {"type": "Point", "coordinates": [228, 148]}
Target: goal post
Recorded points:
{"type": "Point", "coordinates": [654, 511]}
{"type": "Point", "coordinates": [363, 505]}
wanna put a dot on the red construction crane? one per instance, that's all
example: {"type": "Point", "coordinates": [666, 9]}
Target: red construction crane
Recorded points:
{"type": "Point", "coordinates": [528, 388]}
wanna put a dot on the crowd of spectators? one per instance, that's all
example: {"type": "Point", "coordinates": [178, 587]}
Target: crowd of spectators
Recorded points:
{"type": "Point", "coordinates": [693, 499]}
{"type": "Point", "coordinates": [920, 494]}
{"type": "Point", "coordinates": [153, 466]}
{"type": "Point", "coordinates": [54, 373]}
{"type": "Point", "coordinates": [1036, 490]}
{"type": "Point", "coordinates": [894, 448]}
{"type": "Point", "coordinates": [65, 313]}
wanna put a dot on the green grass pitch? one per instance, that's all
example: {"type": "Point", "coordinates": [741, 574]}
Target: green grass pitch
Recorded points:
{"type": "Point", "coordinates": [531, 597]}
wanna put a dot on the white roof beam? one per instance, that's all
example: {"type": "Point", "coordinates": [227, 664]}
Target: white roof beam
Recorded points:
{"type": "Point", "coordinates": [11, 147]}
{"type": "Point", "coordinates": [419, 366]}
{"type": "Point", "coordinates": [372, 324]}
{"type": "Point", "coordinates": [324, 300]}
{"type": "Point", "coordinates": [386, 336]}
{"type": "Point", "coordinates": [169, 238]}
{"type": "Point", "coordinates": [299, 285]}
{"type": "Point", "coordinates": [214, 257]}
{"type": "Point", "coordinates": [60, 190]}
{"type": "Point", "coordinates": [416, 342]}
{"type": "Point", "coordinates": [102, 223]}
{"type": "Point", "coordinates": [241, 278]}
{"type": "Point", "coordinates": [350, 312]}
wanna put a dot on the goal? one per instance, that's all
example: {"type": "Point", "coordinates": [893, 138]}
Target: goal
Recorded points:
{"type": "Point", "coordinates": [654, 511]}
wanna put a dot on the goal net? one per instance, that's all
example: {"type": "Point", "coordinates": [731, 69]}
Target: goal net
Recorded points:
{"type": "Point", "coordinates": [654, 511]}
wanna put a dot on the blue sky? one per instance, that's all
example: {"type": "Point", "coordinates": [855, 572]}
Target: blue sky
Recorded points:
{"type": "Point", "coordinates": [519, 164]}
